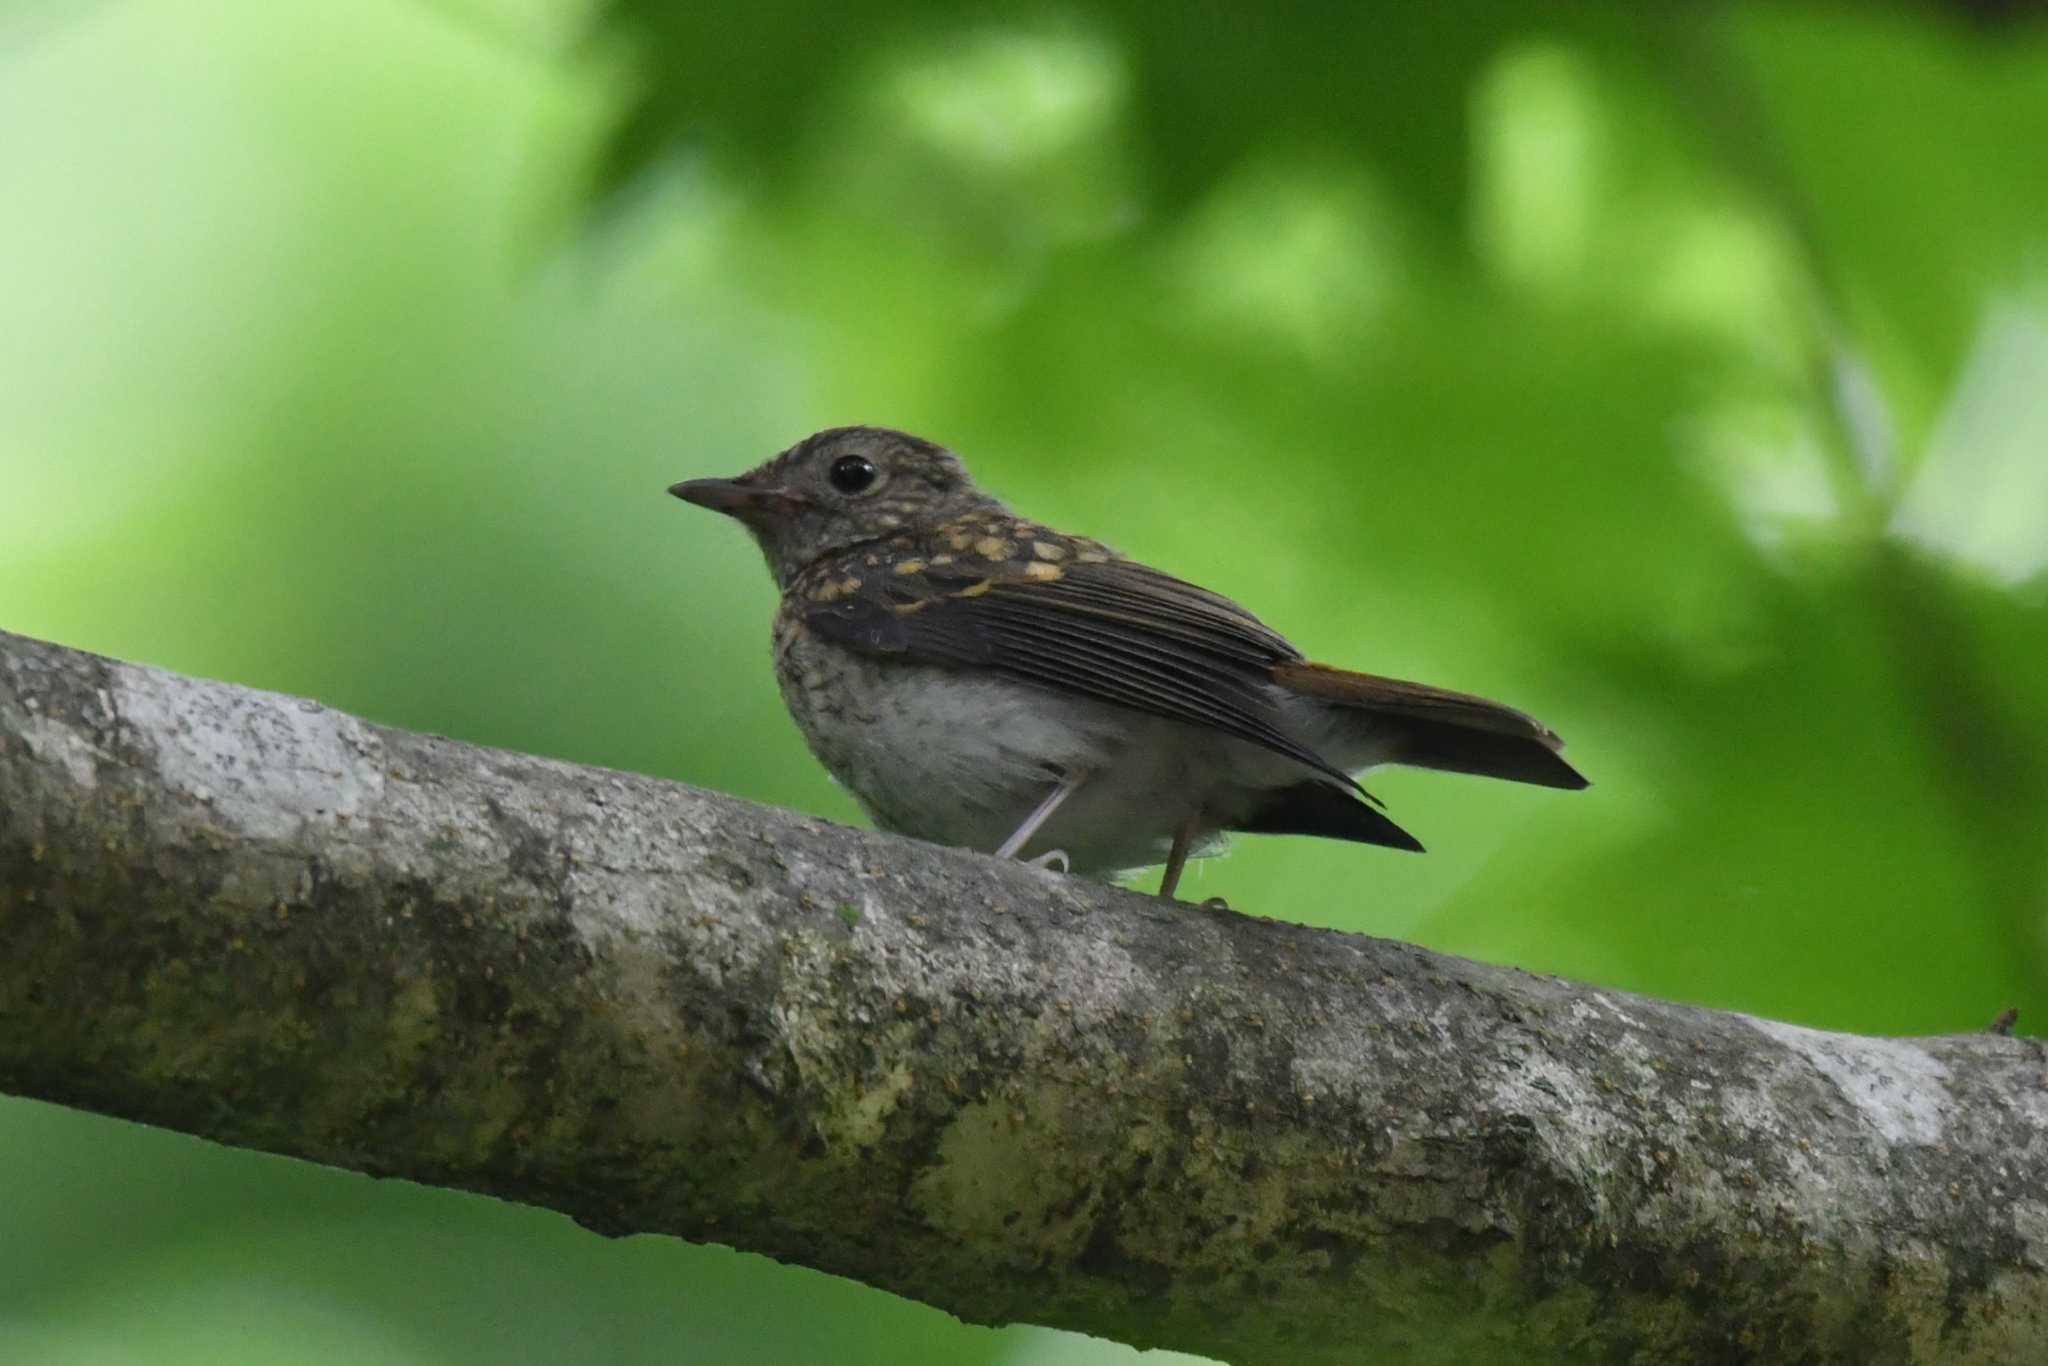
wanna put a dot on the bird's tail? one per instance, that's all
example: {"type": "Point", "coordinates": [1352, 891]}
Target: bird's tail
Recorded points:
{"type": "Point", "coordinates": [1435, 728]}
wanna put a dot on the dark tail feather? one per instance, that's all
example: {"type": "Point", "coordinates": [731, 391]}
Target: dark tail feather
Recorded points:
{"type": "Point", "coordinates": [1318, 808]}
{"type": "Point", "coordinates": [1437, 728]}
{"type": "Point", "coordinates": [1518, 758]}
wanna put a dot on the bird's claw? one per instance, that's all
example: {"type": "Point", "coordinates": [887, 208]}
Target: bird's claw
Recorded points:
{"type": "Point", "coordinates": [1054, 859]}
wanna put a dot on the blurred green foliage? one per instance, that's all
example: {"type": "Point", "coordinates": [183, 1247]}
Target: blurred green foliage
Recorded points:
{"type": "Point", "coordinates": [1679, 374]}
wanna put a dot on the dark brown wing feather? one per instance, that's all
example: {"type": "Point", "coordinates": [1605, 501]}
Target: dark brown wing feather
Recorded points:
{"type": "Point", "coordinates": [1110, 629]}
{"type": "Point", "coordinates": [1437, 728]}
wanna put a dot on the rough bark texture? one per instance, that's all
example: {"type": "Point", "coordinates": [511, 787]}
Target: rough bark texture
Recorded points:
{"type": "Point", "coordinates": [1007, 1093]}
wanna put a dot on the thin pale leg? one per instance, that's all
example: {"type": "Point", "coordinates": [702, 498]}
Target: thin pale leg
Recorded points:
{"type": "Point", "coordinates": [1177, 857]}
{"type": "Point", "coordinates": [1040, 815]}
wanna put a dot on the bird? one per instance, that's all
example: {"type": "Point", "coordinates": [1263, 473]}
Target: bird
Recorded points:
{"type": "Point", "coordinates": [978, 679]}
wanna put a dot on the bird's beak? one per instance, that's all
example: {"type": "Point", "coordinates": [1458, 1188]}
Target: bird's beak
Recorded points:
{"type": "Point", "coordinates": [729, 496]}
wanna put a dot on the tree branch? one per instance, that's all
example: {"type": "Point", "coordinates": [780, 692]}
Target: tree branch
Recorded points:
{"type": "Point", "coordinates": [1013, 1095]}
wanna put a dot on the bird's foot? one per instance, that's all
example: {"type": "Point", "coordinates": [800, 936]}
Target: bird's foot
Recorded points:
{"type": "Point", "coordinates": [1214, 903]}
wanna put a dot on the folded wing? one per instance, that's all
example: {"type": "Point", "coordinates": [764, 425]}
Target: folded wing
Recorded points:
{"type": "Point", "coordinates": [1111, 629]}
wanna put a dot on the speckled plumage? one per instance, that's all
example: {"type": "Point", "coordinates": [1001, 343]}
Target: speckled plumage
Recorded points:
{"type": "Point", "coordinates": [955, 665]}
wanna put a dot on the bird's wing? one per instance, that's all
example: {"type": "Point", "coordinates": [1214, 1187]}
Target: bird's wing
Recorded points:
{"type": "Point", "coordinates": [1070, 616]}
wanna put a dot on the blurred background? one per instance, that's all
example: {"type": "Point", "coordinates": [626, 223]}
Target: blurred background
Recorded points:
{"type": "Point", "coordinates": [1679, 374]}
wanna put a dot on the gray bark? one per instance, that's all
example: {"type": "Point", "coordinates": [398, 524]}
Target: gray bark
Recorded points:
{"type": "Point", "coordinates": [1010, 1094]}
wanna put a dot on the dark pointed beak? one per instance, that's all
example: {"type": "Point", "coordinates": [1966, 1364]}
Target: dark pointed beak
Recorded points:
{"type": "Point", "coordinates": [729, 496]}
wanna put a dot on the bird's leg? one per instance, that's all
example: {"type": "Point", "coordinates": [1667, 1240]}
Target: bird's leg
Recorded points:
{"type": "Point", "coordinates": [1040, 815]}
{"type": "Point", "coordinates": [1177, 857]}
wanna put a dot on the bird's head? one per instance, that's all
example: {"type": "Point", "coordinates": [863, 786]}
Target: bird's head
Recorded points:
{"type": "Point", "coordinates": [842, 487]}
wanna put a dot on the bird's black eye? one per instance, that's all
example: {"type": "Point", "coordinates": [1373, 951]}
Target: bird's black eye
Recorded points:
{"type": "Point", "coordinates": [852, 473]}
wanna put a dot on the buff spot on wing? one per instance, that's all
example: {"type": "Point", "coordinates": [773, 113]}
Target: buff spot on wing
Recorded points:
{"type": "Point", "coordinates": [960, 538]}
{"type": "Point", "coordinates": [910, 566]}
{"type": "Point", "coordinates": [942, 559]}
{"type": "Point", "coordinates": [975, 590]}
{"type": "Point", "coordinates": [1046, 550]}
{"type": "Point", "coordinates": [906, 609]}
{"type": "Point", "coordinates": [1092, 557]}
{"type": "Point", "coordinates": [834, 589]}
{"type": "Point", "coordinates": [994, 548]}
{"type": "Point", "coordinates": [1045, 573]}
